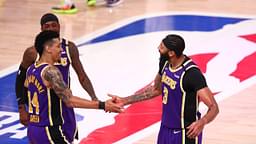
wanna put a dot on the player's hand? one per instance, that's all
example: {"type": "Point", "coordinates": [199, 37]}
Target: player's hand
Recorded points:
{"type": "Point", "coordinates": [117, 99]}
{"type": "Point", "coordinates": [195, 128]}
{"type": "Point", "coordinates": [24, 116]}
{"type": "Point", "coordinates": [110, 106]}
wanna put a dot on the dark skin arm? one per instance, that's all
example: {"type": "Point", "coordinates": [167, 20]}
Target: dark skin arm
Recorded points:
{"type": "Point", "coordinates": [206, 96]}
{"type": "Point", "coordinates": [148, 93]}
{"type": "Point", "coordinates": [29, 58]}
{"type": "Point", "coordinates": [53, 79]}
{"type": "Point", "coordinates": [82, 76]}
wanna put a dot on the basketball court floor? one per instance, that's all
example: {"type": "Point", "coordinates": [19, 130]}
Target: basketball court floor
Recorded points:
{"type": "Point", "coordinates": [118, 49]}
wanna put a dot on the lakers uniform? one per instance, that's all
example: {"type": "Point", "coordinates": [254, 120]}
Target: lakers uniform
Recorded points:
{"type": "Point", "coordinates": [69, 126]}
{"type": "Point", "coordinates": [180, 104]}
{"type": "Point", "coordinates": [45, 110]}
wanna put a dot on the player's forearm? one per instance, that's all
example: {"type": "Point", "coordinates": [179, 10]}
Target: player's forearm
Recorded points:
{"type": "Point", "coordinates": [73, 101]}
{"type": "Point", "coordinates": [78, 102]}
{"type": "Point", "coordinates": [212, 112]}
{"type": "Point", "coordinates": [145, 95]}
{"type": "Point", "coordinates": [87, 85]}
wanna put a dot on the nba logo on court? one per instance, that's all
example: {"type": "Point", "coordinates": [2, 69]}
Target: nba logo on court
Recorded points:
{"type": "Point", "coordinates": [124, 59]}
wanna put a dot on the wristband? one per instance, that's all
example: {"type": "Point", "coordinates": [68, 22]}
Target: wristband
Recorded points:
{"type": "Point", "coordinates": [101, 105]}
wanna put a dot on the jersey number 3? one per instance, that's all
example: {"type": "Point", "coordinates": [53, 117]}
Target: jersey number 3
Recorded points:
{"type": "Point", "coordinates": [165, 97]}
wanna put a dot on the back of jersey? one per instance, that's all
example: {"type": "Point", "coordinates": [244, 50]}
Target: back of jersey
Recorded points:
{"type": "Point", "coordinates": [44, 109]}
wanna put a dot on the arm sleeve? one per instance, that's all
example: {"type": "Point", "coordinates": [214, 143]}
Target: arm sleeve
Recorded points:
{"type": "Point", "coordinates": [194, 80]}
{"type": "Point", "coordinates": [19, 86]}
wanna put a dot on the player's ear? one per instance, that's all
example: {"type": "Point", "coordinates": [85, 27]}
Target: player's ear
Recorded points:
{"type": "Point", "coordinates": [171, 53]}
{"type": "Point", "coordinates": [47, 49]}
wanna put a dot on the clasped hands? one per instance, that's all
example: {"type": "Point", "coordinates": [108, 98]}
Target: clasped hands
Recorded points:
{"type": "Point", "coordinates": [115, 104]}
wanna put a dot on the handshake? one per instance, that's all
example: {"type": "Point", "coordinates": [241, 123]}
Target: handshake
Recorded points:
{"type": "Point", "coordinates": [115, 104]}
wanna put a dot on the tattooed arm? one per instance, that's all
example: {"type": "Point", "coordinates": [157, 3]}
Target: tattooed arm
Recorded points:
{"type": "Point", "coordinates": [53, 79]}
{"type": "Point", "coordinates": [148, 93]}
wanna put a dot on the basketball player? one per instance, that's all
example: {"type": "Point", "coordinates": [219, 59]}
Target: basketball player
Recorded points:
{"type": "Point", "coordinates": [69, 56]}
{"type": "Point", "coordinates": [182, 85]}
{"type": "Point", "coordinates": [44, 106]}
{"type": "Point", "coordinates": [68, 6]}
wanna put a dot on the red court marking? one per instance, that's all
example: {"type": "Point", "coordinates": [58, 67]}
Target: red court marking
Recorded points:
{"type": "Point", "coordinates": [250, 37]}
{"type": "Point", "coordinates": [137, 116]}
{"type": "Point", "coordinates": [202, 59]}
{"type": "Point", "coordinates": [246, 68]}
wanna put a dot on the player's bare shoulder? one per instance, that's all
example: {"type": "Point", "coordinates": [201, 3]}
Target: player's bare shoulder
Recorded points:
{"type": "Point", "coordinates": [72, 48]}
{"type": "Point", "coordinates": [29, 56]}
{"type": "Point", "coordinates": [72, 44]}
{"type": "Point", "coordinates": [52, 76]}
{"type": "Point", "coordinates": [73, 51]}
{"type": "Point", "coordinates": [50, 73]}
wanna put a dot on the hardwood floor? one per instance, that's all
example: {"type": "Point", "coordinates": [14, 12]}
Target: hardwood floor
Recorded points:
{"type": "Point", "coordinates": [19, 20]}
{"type": "Point", "coordinates": [19, 23]}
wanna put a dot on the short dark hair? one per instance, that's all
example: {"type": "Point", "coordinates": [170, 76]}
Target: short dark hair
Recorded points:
{"type": "Point", "coordinates": [48, 17]}
{"type": "Point", "coordinates": [42, 38]}
{"type": "Point", "coordinates": [175, 43]}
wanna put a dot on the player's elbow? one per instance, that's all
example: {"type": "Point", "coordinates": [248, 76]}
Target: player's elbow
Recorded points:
{"type": "Point", "coordinates": [69, 103]}
{"type": "Point", "coordinates": [215, 109]}
{"type": "Point", "coordinates": [81, 77]}
{"type": "Point", "coordinates": [157, 92]}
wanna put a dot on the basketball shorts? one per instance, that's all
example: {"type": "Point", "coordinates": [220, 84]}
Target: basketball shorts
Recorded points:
{"type": "Point", "coordinates": [46, 135]}
{"type": "Point", "coordinates": [176, 136]}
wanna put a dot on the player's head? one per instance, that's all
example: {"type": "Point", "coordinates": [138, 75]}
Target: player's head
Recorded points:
{"type": "Point", "coordinates": [172, 43]}
{"type": "Point", "coordinates": [50, 21]}
{"type": "Point", "coordinates": [48, 42]}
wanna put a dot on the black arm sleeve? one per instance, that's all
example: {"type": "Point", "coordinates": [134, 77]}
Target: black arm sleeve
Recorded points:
{"type": "Point", "coordinates": [194, 80]}
{"type": "Point", "coordinates": [19, 86]}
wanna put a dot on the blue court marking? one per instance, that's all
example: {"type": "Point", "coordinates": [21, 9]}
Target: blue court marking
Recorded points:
{"type": "Point", "coordinates": [7, 93]}
{"type": "Point", "coordinates": [164, 23]}
{"type": "Point", "coordinates": [5, 138]}
{"type": "Point", "coordinates": [144, 25]}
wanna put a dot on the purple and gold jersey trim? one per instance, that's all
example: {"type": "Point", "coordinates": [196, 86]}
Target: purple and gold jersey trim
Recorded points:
{"type": "Point", "coordinates": [67, 50]}
{"type": "Point", "coordinates": [49, 107]}
{"type": "Point", "coordinates": [174, 95]}
{"type": "Point", "coordinates": [64, 137]}
{"type": "Point", "coordinates": [48, 135]}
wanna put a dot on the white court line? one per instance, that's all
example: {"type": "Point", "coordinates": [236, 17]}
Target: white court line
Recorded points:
{"type": "Point", "coordinates": [219, 97]}
{"type": "Point", "coordinates": [8, 70]}
{"type": "Point", "coordinates": [124, 22]}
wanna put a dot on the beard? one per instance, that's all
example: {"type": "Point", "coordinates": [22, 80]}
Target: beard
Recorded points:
{"type": "Point", "coordinates": [164, 56]}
